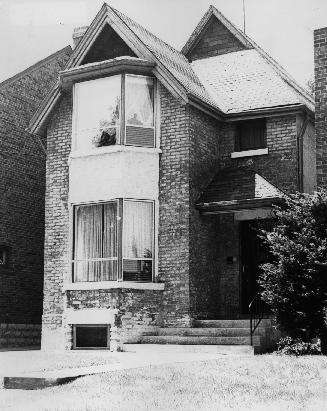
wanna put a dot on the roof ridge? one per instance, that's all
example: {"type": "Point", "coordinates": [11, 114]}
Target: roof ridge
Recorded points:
{"type": "Point", "coordinates": [148, 32]}
{"type": "Point", "coordinates": [36, 65]}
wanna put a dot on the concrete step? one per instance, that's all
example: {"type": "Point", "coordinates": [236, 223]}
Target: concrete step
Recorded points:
{"type": "Point", "coordinates": [158, 349]}
{"type": "Point", "coordinates": [266, 322]}
{"type": "Point", "coordinates": [210, 332]}
{"type": "Point", "coordinates": [198, 340]}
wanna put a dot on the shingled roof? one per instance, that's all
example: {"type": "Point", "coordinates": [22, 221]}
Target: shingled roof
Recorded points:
{"type": "Point", "coordinates": [233, 187]}
{"type": "Point", "coordinates": [245, 80]}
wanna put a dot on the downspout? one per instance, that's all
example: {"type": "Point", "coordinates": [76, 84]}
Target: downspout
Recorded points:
{"type": "Point", "coordinates": [299, 148]}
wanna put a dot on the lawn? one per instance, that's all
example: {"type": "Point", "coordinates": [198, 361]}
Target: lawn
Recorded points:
{"type": "Point", "coordinates": [267, 382]}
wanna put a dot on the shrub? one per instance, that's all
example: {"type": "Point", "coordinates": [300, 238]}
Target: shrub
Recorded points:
{"type": "Point", "coordinates": [291, 346]}
{"type": "Point", "coordinates": [294, 282]}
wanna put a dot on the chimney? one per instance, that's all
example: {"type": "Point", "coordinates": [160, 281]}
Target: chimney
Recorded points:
{"type": "Point", "coordinates": [320, 48]}
{"type": "Point", "coordinates": [78, 34]}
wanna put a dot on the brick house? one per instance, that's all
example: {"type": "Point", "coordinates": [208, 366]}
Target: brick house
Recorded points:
{"type": "Point", "coordinates": [158, 161]}
{"type": "Point", "coordinates": [22, 186]}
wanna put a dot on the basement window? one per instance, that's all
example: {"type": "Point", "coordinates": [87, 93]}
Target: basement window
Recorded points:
{"type": "Point", "coordinates": [91, 337]}
{"type": "Point", "coordinates": [251, 135]}
{"type": "Point", "coordinates": [114, 110]}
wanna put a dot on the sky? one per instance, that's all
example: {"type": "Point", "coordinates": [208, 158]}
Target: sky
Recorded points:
{"type": "Point", "coordinates": [30, 30]}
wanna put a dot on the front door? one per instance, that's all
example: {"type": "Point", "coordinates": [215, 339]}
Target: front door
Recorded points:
{"type": "Point", "coordinates": [253, 254]}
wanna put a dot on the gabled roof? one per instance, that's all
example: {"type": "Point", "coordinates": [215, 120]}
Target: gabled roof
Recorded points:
{"type": "Point", "coordinates": [238, 188]}
{"type": "Point", "coordinates": [244, 80]}
{"type": "Point", "coordinates": [248, 43]}
{"type": "Point", "coordinates": [172, 67]}
{"type": "Point", "coordinates": [198, 31]}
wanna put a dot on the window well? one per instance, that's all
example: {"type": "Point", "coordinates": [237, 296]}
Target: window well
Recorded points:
{"type": "Point", "coordinates": [91, 336]}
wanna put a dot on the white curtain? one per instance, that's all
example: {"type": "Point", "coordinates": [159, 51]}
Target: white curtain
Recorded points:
{"type": "Point", "coordinates": [138, 229]}
{"type": "Point", "coordinates": [139, 101]}
{"type": "Point", "coordinates": [95, 238]}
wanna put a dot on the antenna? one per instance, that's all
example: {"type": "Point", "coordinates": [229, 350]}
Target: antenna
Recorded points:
{"type": "Point", "coordinates": [244, 16]}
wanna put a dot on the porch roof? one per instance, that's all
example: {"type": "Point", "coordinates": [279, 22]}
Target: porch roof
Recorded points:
{"type": "Point", "coordinates": [234, 189]}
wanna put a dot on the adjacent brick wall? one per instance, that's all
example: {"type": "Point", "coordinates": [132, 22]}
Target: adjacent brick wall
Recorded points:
{"type": "Point", "coordinates": [215, 40]}
{"type": "Point", "coordinates": [320, 55]}
{"type": "Point", "coordinates": [22, 185]}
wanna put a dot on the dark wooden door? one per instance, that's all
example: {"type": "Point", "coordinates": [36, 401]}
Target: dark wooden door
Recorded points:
{"type": "Point", "coordinates": [253, 254]}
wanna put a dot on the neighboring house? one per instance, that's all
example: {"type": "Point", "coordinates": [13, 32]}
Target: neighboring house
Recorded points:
{"type": "Point", "coordinates": [158, 161]}
{"type": "Point", "coordinates": [22, 187]}
{"type": "Point", "coordinates": [320, 53]}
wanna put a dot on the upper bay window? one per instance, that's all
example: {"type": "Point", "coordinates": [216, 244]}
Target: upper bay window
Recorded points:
{"type": "Point", "coordinates": [114, 110]}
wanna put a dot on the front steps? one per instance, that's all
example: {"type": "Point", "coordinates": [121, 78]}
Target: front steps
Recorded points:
{"type": "Point", "coordinates": [215, 334]}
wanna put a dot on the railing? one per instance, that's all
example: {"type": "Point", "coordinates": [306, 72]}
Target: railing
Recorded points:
{"type": "Point", "coordinates": [257, 310]}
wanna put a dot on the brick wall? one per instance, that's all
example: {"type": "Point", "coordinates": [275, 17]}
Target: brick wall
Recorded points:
{"type": "Point", "coordinates": [215, 40]}
{"type": "Point", "coordinates": [174, 203]}
{"type": "Point", "coordinates": [320, 55]}
{"type": "Point", "coordinates": [279, 167]}
{"type": "Point", "coordinates": [22, 185]}
{"type": "Point", "coordinates": [204, 230]}
{"type": "Point", "coordinates": [56, 222]}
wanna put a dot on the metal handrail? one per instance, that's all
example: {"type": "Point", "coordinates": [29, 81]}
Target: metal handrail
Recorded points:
{"type": "Point", "coordinates": [257, 311]}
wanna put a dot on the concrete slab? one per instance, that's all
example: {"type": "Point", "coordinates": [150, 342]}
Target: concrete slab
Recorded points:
{"type": "Point", "coordinates": [135, 358]}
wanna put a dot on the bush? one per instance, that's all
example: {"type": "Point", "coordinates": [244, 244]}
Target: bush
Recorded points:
{"type": "Point", "coordinates": [294, 282]}
{"type": "Point", "coordinates": [296, 346]}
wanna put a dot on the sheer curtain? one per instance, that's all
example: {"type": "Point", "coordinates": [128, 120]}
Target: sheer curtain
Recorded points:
{"type": "Point", "coordinates": [95, 251]}
{"type": "Point", "coordinates": [139, 101]}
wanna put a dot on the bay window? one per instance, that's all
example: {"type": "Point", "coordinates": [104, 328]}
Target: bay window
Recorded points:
{"type": "Point", "coordinates": [113, 241]}
{"type": "Point", "coordinates": [114, 110]}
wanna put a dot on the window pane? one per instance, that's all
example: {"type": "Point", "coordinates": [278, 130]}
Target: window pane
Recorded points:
{"type": "Point", "coordinates": [89, 337]}
{"type": "Point", "coordinates": [97, 109]}
{"type": "Point", "coordinates": [139, 101]}
{"type": "Point", "coordinates": [251, 135]}
{"type": "Point", "coordinates": [137, 270]}
{"type": "Point", "coordinates": [138, 229]}
{"type": "Point", "coordinates": [95, 251]}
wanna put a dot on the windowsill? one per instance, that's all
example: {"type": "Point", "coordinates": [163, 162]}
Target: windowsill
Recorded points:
{"type": "Point", "coordinates": [107, 285]}
{"type": "Point", "coordinates": [114, 149]}
{"type": "Point", "coordinates": [249, 153]}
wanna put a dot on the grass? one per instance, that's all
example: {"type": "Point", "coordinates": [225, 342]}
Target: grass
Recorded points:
{"type": "Point", "coordinates": [267, 382]}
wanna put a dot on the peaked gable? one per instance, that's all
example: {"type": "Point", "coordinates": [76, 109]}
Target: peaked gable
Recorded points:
{"type": "Point", "coordinates": [215, 39]}
{"type": "Point", "coordinates": [108, 45]}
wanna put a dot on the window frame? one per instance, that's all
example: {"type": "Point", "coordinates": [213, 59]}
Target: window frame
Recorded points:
{"type": "Point", "coordinates": [121, 136]}
{"type": "Point", "coordinates": [120, 239]}
{"type": "Point", "coordinates": [238, 135]}
{"type": "Point", "coordinates": [91, 326]}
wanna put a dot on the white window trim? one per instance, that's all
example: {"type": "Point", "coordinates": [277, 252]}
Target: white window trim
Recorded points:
{"type": "Point", "coordinates": [249, 153]}
{"type": "Point", "coordinates": [113, 285]}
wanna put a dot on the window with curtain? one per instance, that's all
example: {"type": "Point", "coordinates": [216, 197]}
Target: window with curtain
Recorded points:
{"type": "Point", "coordinates": [98, 107]}
{"type": "Point", "coordinates": [251, 135]}
{"type": "Point", "coordinates": [105, 252]}
{"type": "Point", "coordinates": [137, 240]}
{"type": "Point", "coordinates": [95, 248]}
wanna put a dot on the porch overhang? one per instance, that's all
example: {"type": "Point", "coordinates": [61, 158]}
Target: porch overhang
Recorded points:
{"type": "Point", "coordinates": [234, 206]}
